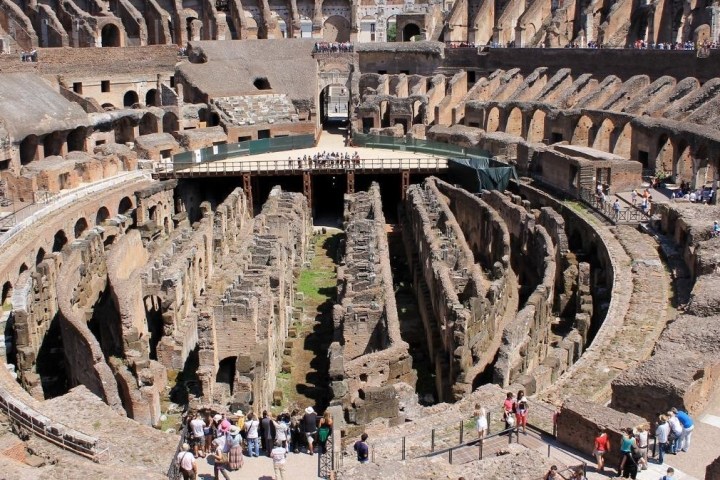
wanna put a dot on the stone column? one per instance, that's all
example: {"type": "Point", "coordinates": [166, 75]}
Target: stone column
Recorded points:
{"type": "Point", "coordinates": [714, 23]}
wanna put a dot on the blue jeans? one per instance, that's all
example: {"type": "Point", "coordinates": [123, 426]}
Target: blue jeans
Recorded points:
{"type": "Point", "coordinates": [253, 447]}
{"type": "Point", "coordinates": [661, 452]}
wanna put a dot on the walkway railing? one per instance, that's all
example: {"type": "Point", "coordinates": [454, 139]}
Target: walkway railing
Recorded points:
{"type": "Point", "coordinates": [173, 472]}
{"type": "Point", "coordinates": [294, 166]}
{"type": "Point", "coordinates": [605, 208]}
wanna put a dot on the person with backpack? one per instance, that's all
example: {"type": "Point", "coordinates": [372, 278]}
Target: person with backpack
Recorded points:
{"type": "Point", "coordinates": [669, 475]}
{"type": "Point", "coordinates": [186, 462]}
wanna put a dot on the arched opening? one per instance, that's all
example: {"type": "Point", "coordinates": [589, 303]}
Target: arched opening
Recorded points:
{"type": "Point", "coordinates": [40, 256]}
{"type": "Point", "coordinates": [124, 131]}
{"type": "Point", "coordinates": [603, 137]}
{"type": "Point", "coordinates": [623, 143]}
{"type": "Point", "coordinates": [262, 83]}
{"type": "Point", "coordinates": [536, 129]}
{"type": "Point", "coordinates": [7, 291]}
{"type": "Point", "coordinates": [683, 166]}
{"type": "Point", "coordinates": [110, 36]}
{"type": "Point", "coordinates": [514, 123]}
{"type": "Point", "coordinates": [226, 373]}
{"type": "Point", "coordinates": [193, 27]}
{"type": "Point", "coordinates": [152, 98]}
{"type": "Point", "coordinates": [664, 155]}
{"type": "Point", "coordinates": [102, 214]}
{"type": "Point", "coordinates": [108, 107]}
{"type": "Point", "coordinates": [22, 268]}
{"type": "Point", "coordinates": [582, 133]}
{"type": "Point", "coordinates": [59, 241]}
{"type": "Point", "coordinates": [493, 120]}
{"type": "Point", "coordinates": [336, 29]}
{"type": "Point", "coordinates": [170, 123]}
{"type": "Point", "coordinates": [148, 124]}
{"type": "Point", "coordinates": [409, 31]}
{"type": "Point", "coordinates": [76, 140]}
{"type": "Point", "coordinates": [703, 168]}
{"type": "Point", "coordinates": [80, 226]}
{"type": "Point", "coordinates": [130, 99]}
{"type": "Point", "coordinates": [28, 149]}
{"type": "Point", "coordinates": [125, 206]}
{"type": "Point", "coordinates": [334, 106]}
{"type": "Point", "coordinates": [153, 316]}
{"type": "Point", "coordinates": [152, 213]}
{"type": "Point", "coordinates": [305, 27]}
{"type": "Point", "coordinates": [52, 143]}
{"type": "Point", "coordinates": [50, 364]}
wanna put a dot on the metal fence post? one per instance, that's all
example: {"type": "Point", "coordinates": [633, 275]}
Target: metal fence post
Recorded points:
{"type": "Point", "coordinates": [432, 440]}
{"type": "Point", "coordinates": [403, 448]}
{"type": "Point", "coordinates": [481, 449]}
{"type": "Point", "coordinates": [462, 430]}
{"type": "Point", "coordinates": [450, 456]}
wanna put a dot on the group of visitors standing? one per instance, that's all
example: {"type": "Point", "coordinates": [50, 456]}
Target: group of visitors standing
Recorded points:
{"type": "Point", "coordinates": [672, 434]}
{"type": "Point", "coordinates": [515, 411]}
{"type": "Point", "coordinates": [229, 441]}
{"type": "Point", "coordinates": [333, 47]}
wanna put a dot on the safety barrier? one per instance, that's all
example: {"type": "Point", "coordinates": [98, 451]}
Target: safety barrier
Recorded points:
{"type": "Point", "coordinates": [240, 149]}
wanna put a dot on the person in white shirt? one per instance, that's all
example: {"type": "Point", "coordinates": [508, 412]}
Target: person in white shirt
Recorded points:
{"type": "Point", "coordinates": [676, 432]}
{"type": "Point", "coordinates": [278, 455]}
{"type": "Point", "coordinates": [197, 428]}
{"type": "Point", "coordinates": [186, 462]}
{"type": "Point", "coordinates": [251, 427]}
{"type": "Point", "coordinates": [662, 434]}
{"type": "Point", "coordinates": [221, 460]}
{"type": "Point", "coordinates": [481, 423]}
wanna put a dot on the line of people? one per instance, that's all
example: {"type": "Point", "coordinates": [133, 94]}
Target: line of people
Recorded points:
{"type": "Point", "coordinates": [333, 47]}
{"type": "Point", "coordinates": [326, 160]}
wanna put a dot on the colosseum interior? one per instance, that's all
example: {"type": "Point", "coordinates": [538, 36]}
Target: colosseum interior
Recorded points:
{"type": "Point", "coordinates": [394, 212]}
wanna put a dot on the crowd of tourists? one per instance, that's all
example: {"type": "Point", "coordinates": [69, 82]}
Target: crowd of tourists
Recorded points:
{"type": "Point", "coordinates": [698, 195]}
{"type": "Point", "coordinates": [326, 160]}
{"type": "Point", "coordinates": [230, 439]}
{"type": "Point", "coordinates": [673, 433]}
{"type": "Point", "coordinates": [31, 56]}
{"type": "Point", "coordinates": [333, 47]}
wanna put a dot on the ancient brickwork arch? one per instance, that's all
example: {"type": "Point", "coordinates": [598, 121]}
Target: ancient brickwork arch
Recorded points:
{"type": "Point", "coordinates": [623, 144]}
{"type": "Point", "coordinates": [536, 129]}
{"type": "Point", "coordinates": [604, 136]}
{"type": "Point", "coordinates": [493, 120]}
{"type": "Point", "coordinates": [582, 135]}
{"type": "Point", "coordinates": [514, 124]}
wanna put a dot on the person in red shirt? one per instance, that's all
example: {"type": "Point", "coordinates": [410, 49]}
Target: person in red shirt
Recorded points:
{"type": "Point", "coordinates": [602, 445]}
{"type": "Point", "coordinates": [509, 411]}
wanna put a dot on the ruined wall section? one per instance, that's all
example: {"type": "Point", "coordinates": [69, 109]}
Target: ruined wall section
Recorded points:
{"type": "Point", "coordinates": [84, 279]}
{"type": "Point", "coordinates": [368, 357]}
{"type": "Point", "coordinates": [526, 338]}
{"type": "Point", "coordinates": [246, 325]}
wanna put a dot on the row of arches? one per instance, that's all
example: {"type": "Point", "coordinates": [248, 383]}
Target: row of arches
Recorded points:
{"type": "Point", "coordinates": [672, 155]}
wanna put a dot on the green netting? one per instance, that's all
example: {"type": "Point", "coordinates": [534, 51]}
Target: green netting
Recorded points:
{"type": "Point", "coordinates": [480, 173]}
{"type": "Point", "coordinates": [248, 147]}
{"type": "Point", "coordinates": [417, 145]}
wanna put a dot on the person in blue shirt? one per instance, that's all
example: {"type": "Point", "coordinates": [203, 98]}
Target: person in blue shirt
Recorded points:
{"type": "Point", "coordinates": [687, 428]}
{"type": "Point", "coordinates": [362, 449]}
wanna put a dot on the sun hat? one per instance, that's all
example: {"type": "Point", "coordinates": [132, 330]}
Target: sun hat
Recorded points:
{"type": "Point", "coordinates": [240, 413]}
{"type": "Point", "coordinates": [217, 417]}
{"type": "Point", "coordinates": [234, 430]}
{"type": "Point", "coordinates": [309, 410]}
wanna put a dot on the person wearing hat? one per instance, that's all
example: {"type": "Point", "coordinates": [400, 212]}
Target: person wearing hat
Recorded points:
{"type": "Point", "coordinates": [186, 462]}
{"type": "Point", "coordinates": [235, 456]}
{"type": "Point", "coordinates": [221, 462]}
{"type": "Point", "coordinates": [309, 423]}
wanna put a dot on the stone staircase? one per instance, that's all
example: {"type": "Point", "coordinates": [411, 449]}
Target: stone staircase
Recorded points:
{"type": "Point", "coordinates": [257, 109]}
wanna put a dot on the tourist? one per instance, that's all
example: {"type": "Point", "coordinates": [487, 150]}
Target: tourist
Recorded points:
{"type": "Point", "coordinates": [282, 430]}
{"type": "Point", "coordinates": [675, 432]}
{"type": "Point", "coordinates": [224, 426]}
{"type": "Point", "coordinates": [662, 434]}
{"type": "Point", "coordinates": [208, 432]}
{"type": "Point", "coordinates": [687, 428]}
{"type": "Point", "coordinates": [602, 445]}
{"type": "Point", "coordinates": [633, 197]}
{"type": "Point", "coordinates": [508, 412]}
{"type": "Point", "coordinates": [481, 423]}
{"type": "Point", "coordinates": [578, 474]}
{"type": "Point", "coordinates": [279, 457]}
{"type": "Point", "coordinates": [641, 436]}
{"type": "Point", "coordinates": [626, 444]}
{"type": "Point", "coordinates": [186, 462]}
{"type": "Point", "coordinates": [252, 427]}
{"type": "Point", "coordinates": [552, 474]}
{"type": "Point", "coordinates": [325, 429]}
{"type": "Point", "coordinates": [669, 475]}
{"type": "Point", "coordinates": [630, 469]}
{"type": "Point", "coordinates": [295, 431]}
{"type": "Point", "coordinates": [521, 411]}
{"type": "Point", "coordinates": [267, 432]}
{"type": "Point", "coordinates": [362, 449]}
{"type": "Point", "coordinates": [309, 424]}
{"type": "Point", "coordinates": [235, 455]}
{"type": "Point", "coordinates": [197, 429]}
{"type": "Point", "coordinates": [220, 463]}
{"type": "Point", "coordinates": [616, 209]}
{"type": "Point", "coordinates": [715, 230]}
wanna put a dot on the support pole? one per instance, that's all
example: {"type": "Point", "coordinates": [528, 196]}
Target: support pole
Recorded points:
{"type": "Point", "coordinates": [350, 182]}
{"type": "Point", "coordinates": [247, 188]}
{"type": "Point", "coordinates": [307, 187]}
{"type": "Point", "coordinates": [405, 183]}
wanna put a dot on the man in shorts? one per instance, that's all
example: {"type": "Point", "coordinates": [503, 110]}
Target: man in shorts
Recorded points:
{"type": "Point", "coordinates": [197, 430]}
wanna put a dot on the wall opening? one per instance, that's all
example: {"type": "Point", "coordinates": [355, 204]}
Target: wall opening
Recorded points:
{"type": "Point", "coordinates": [51, 365]}
{"type": "Point", "coordinates": [59, 241]}
{"type": "Point", "coordinates": [130, 98]}
{"type": "Point", "coordinates": [110, 36]}
{"type": "Point", "coordinates": [153, 316]}
{"type": "Point", "coordinates": [80, 226]}
{"type": "Point", "coordinates": [262, 83]}
{"type": "Point", "coordinates": [226, 373]}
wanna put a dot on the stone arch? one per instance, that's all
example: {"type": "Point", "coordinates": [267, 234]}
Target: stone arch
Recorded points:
{"type": "Point", "coordinates": [23, 268]}
{"type": "Point", "coordinates": [665, 153]}
{"type": "Point", "coordinates": [53, 144]}
{"type": "Point", "coordinates": [603, 137]}
{"type": "Point", "coordinates": [582, 135]}
{"type": "Point", "coordinates": [226, 372]}
{"type": "Point", "coordinates": [514, 123]}
{"type": "Point", "coordinates": [703, 168]}
{"type": "Point", "coordinates": [102, 214]}
{"type": "Point", "coordinates": [130, 99]}
{"type": "Point", "coordinates": [59, 241]}
{"type": "Point", "coordinates": [148, 124]}
{"type": "Point", "coordinates": [683, 164]}
{"type": "Point", "coordinates": [28, 149]}
{"type": "Point", "coordinates": [336, 29]}
{"type": "Point", "coordinates": [536, 129]}
{"type": "Point", "coordinates": [80, 227]}
{"type": "Point", "coordinates": [7, 293]}
{"type": "Point", "coordinates": [39, 256]}
{"type": "Point", "coordinates": [110, 36]}
{"type": "Point", "coordinates": [152, 98]}
{"type": "Point", "coordinates": [76, 140]}
{"type": "Point", "coordinates": [124, 131]}
{"type": "Point", "coordinates": [493, 120]}
{"type": "Point", "coordinates": [125, 205]}
{"type": "Point", "coordinates": [108, 107]}
{"type": "Point", "coordinates": [623, 144]}
{"type": "Point", "coordinates": [409, 31]}
{"type": "Point", "coordinates": [170, 122]}
{"type": "Point", "coordinates": [153, 317]}
{"type": "Point", "coordinates": [418, 111]}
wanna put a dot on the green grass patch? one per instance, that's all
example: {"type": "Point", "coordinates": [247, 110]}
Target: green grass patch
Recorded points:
{"type": "Point", "coordinates": [315, 285]}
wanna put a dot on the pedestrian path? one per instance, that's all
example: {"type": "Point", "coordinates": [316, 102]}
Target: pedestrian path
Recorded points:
{"type": "Point", "coordinates": [299, 466]}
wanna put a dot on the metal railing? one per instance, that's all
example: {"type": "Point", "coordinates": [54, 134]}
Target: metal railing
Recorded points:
{"type": "Point", "coordinates": [605, 208]}
{"type": "Point", "coordinates": [418, 145]}
{"type": "Point", "coordinates": [173, 472]}
{"type": "Point", "coordinates": [326, 459]}
{"type": "Point", "coordinates": [295, 166]}
{"type": "Point", "coordinates": [483, 444]}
